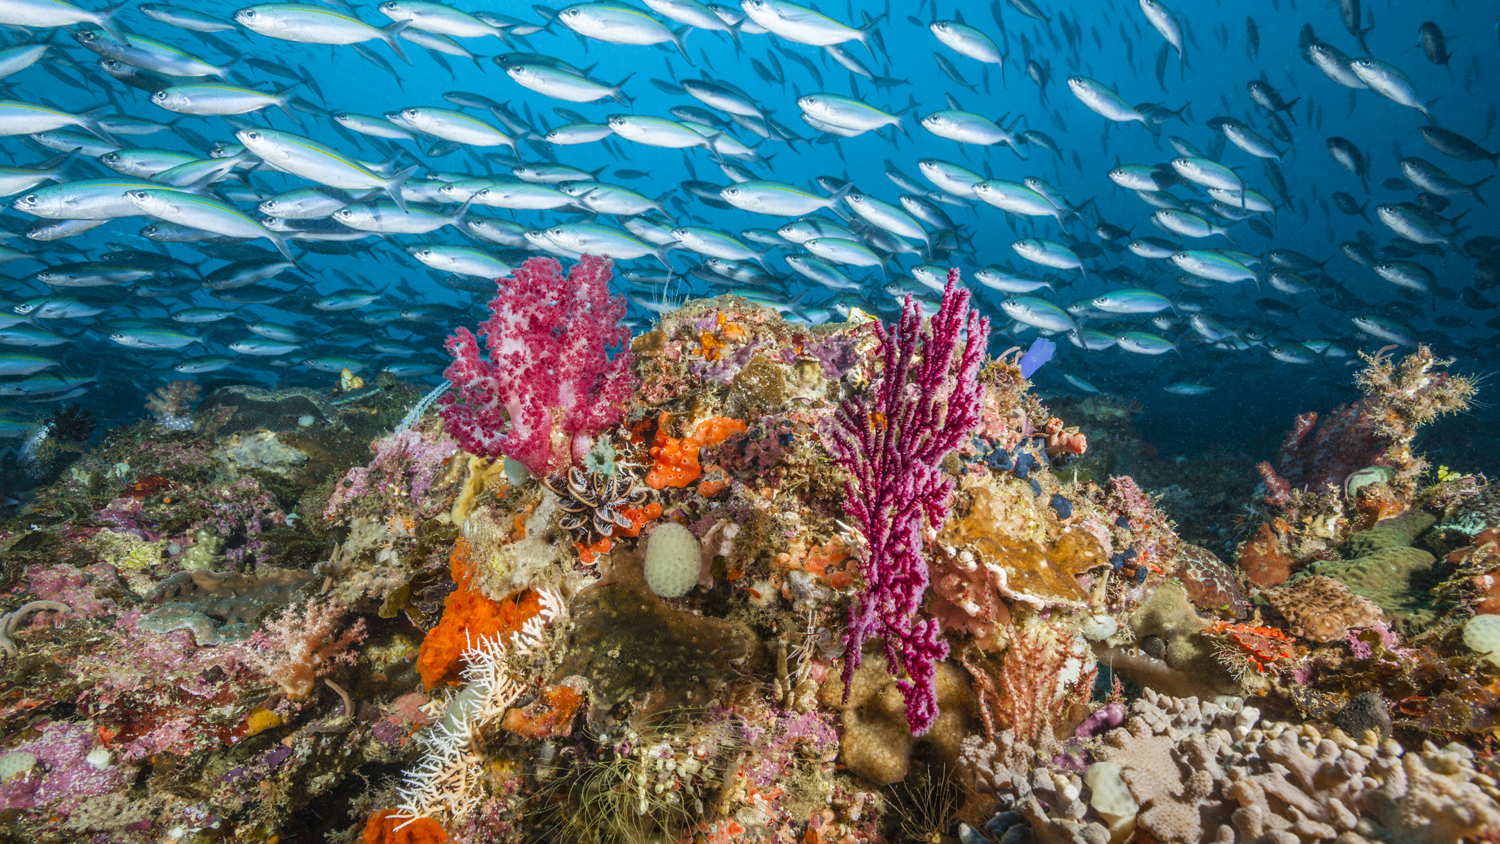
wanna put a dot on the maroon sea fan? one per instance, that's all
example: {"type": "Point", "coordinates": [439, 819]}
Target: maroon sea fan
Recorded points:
{"type": "Point", "coordinates": [893, 442]}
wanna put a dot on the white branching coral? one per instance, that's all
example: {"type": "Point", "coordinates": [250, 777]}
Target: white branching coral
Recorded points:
{"type": "Point", "coordinates": [444, 784]}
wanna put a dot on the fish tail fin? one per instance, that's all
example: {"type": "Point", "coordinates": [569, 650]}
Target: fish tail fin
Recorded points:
{"type": "Point", "coordinates": [901, 116]}
{"type": "Point", "coordinates": [389, 33]}
{"type": "Point", "coordinates": [462, 212]}
{"type": "Point", "coordinates": [281, 244]}
{"type": "Point", "coordinates": [618, 94]}
{"type": "Point", "coordinates": [105, 19]}
{"type": "Point", "coordinates": [90, 121]}
{"type": "Point", "coordinates": [392, 186]}
{"type": "Point", "coordinates": [1474, 190]}
{"type": "Point", "coordinates": [679, 38]}
{"type": "Point", "coordinates": [839, 194]}
{"type": "Point", "coordinates": [284, 102]}
{"type": "Point", "coordinates": [866, 30]}
{"type": "Point", "coordinates": [59, 163]}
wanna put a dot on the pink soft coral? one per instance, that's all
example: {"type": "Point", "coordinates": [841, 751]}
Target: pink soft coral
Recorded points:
{"type": "Point", "coordinates": [548, 373]}
{"type": "Point", "coordinates": [300, 646]}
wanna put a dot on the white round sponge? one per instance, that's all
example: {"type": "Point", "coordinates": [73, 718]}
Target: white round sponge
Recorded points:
{"type": "Point", "coordinates": [673, 560]}
{"type": "Point", "coordinates": [1482, 633]}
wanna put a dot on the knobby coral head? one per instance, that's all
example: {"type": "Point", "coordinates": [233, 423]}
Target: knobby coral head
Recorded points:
{"type": "Point", "coordinates": [546, 385]}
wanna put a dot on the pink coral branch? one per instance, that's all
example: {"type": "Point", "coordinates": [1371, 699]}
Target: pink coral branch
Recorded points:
{"type": "Point", "coordinates": [546, 385]}
{"type": "Point", "coordinates": [300, 646]}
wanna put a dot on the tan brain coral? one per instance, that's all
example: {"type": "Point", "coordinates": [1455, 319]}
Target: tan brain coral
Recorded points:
{"type": "Point", "coordinates": [1321, 609]}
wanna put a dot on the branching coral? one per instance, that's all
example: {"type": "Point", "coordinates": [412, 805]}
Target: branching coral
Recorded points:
{"type": "Point", "coordinates": [172, 405]}
{"type": "Point", "coordinates": [301, 645]}
{"type": "Point", "coordinates": [444, 784]}
{"type": "Point", "coordinates": [1046, 670]}
{"type": "Point", "coordinates": [893, 445]}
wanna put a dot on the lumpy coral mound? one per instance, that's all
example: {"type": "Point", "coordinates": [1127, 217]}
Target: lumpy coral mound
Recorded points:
{"type": "Point", "coordinates": [1321, 609]}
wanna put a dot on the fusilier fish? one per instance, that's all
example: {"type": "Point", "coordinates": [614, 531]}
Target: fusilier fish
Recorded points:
{"type": "Point", "coordinates": [316, 25]}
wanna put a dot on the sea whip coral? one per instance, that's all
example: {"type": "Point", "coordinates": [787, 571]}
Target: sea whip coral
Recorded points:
{"type": "Point", "coordinates": [549, 373]}
{"type": "Point", "coordinates": [893, 444]}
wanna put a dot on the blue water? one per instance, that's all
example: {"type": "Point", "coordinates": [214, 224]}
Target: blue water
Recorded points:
{"type": "Point", "coordinates": [1253, 396]}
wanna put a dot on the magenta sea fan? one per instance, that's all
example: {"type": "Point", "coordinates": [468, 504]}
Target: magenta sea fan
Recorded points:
{"type": "Point", "coordinates": [547, 385]}
{"type": "Point", "coordinates": [893, 443]}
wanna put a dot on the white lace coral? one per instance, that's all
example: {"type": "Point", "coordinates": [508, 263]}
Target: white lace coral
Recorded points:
{"type": "Point", "coordinates": [444, 784]}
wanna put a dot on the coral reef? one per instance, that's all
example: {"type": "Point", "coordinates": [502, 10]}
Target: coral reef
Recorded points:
{"type": "Point", "coordinates": [648, 600]}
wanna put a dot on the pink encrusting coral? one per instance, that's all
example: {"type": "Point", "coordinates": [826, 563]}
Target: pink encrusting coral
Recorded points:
{"type": "Point", "coordinates": [546, 385]}
{"type": "Point", "coordinates": [893, 443]}
{"type": "Point", "coordinates": [404, 467]}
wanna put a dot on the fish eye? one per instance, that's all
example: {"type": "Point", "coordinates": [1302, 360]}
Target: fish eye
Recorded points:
{"type": "Point", "coordinates": [252, 136]}
{"type": "Point", "coordinates": [29, 199]}
{"type": "Point", "coordinates": [408, 112]}
{"type": "Point", "coordinates": [247, 14]}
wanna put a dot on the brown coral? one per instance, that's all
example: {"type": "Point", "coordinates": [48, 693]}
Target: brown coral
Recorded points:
{"type": "Point", "coordinates": [1321, 609]}
{"type": "Point", "coordinates": [1019, 567]}
{"type": "Point", "coordinates": [1264, 560]}
{"type": "Point", "coordinates": [877, 743]}
{"type": "Point", "coordinates": [1211, 585]}
{"type": "Point", "coordinates": [630, 646]}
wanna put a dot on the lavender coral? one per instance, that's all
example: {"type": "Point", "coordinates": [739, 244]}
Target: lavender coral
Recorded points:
{"type": "Point", "coordinates": [893, 443]}
{"type": "Point", "coordinates": [549, 386]}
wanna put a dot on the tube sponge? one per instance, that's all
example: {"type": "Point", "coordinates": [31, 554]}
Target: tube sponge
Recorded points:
{"type": "Point", "coordinates": [673, 560]}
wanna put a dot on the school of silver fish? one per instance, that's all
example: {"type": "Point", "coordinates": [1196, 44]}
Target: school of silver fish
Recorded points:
{"type": "Point", "coordinates": [280, 192]}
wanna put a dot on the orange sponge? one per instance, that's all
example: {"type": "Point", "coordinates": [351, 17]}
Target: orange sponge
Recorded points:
{"type": "Point", "coordinates": [381, 829]}
{"type": "Point", "coordinates": [550, 715]}
{"type": "Point", "coordinates": [468, 616]}
{"type": "Point", "coordinates": [677, 459]}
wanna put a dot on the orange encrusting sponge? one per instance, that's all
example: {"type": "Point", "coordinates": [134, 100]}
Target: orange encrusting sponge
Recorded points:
{"type": "Point", "coordinates": [381, 829]}
{"type": "Point", "coordinates": [468, 616]}
{"type": "Point", "coordinates": [677, 459]}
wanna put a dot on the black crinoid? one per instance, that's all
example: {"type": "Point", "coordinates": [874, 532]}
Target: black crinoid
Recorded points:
{"type": "Point", "coordinates": [593, 503]}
